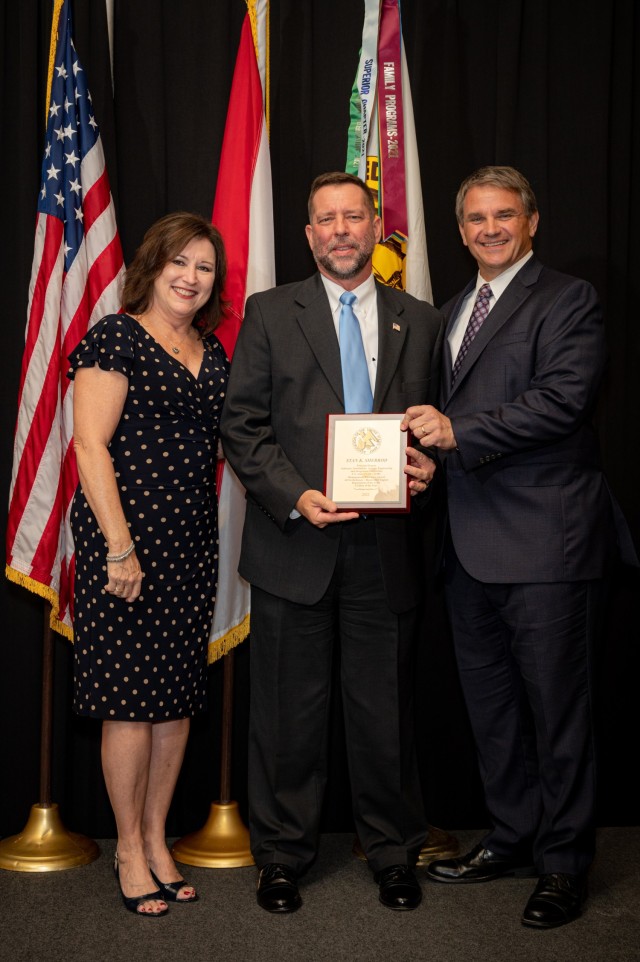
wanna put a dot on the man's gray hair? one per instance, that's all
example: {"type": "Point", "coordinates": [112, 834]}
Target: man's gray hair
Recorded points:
{"type": "Point", "coordinates": [508, 178]}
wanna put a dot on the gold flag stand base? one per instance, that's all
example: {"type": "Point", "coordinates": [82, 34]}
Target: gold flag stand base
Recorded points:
{"type": "Point", "coordinates": [45, 845]}
{"type": "Point", "coordinates": [223, 842]}
{"type": "Point", "coordinates": [439, 844]}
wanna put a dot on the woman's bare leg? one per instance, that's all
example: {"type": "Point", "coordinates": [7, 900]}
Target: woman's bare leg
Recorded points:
{"type": "Point", "coordinates": [169, 740]}
{"type": "Point", "coordinates": [126, 758]}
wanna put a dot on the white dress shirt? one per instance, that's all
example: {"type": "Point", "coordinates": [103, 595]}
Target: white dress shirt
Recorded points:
{"type": "Point", "coordinates": [498, 286]}
{"type": "Point", "coordinates": [365, 308]}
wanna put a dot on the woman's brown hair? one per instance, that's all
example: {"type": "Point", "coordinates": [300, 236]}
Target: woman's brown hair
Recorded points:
{"type": "Point", "coordinates": [161, 243]}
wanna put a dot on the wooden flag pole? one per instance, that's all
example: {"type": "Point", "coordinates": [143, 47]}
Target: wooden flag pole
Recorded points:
{"type": "Point", "coordinates": [44, 845]}
{"type": "Point", "coordinates": [223, 841]}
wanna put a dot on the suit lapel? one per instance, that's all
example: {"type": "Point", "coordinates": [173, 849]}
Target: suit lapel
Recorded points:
{"type": "Point", "coordinates": [447, 360]}
{"type": "Point", "coordinates": [392, 332]}
{"type": "Point", "coordinates": [509, 302]}
{"type": "Point", "coordinates": [316, 323]}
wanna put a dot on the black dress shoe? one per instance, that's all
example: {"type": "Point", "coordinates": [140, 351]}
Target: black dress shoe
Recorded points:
{"type": "Point", "coordinates": [556, 900]}
{"type": "Point", "coordinates": [278, 888]}
{"type": "Point", "coordinates": [478, 865]}
{"type": "Point", "coordinates": [399, 888]}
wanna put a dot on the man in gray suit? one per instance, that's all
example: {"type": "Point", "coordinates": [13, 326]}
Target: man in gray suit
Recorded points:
{"type": "Point", "coordinates": [319, 575]}
{"type": "Point", "coordinates": [531, 533]}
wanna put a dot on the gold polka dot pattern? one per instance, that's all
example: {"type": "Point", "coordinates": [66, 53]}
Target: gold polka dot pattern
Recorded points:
{"type": "Point", "coordinates": [147, 661]}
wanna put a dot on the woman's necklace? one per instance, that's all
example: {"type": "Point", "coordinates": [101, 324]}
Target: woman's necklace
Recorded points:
{"type": "Point", "coordinates": [175, 348]}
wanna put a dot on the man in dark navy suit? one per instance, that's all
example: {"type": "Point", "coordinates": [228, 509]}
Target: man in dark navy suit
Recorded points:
{"type": "Point", "coordinates": [531, 532]}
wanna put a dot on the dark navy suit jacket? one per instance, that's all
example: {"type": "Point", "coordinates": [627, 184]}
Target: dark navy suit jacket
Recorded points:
{"type": "Point", "coordinates": [527, 498]}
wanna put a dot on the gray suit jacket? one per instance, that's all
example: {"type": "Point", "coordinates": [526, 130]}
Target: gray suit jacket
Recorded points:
{"type": "Point", "coordinates": [285, 378]}
{"type": "Point", "coordinates": [527, 498]}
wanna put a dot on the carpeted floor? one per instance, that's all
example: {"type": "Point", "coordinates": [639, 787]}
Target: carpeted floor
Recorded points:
{"type": "Point", "coordinates": [77, 916]}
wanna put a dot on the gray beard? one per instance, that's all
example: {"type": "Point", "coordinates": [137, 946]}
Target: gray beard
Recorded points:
{"type": "Point", "coordinates": [347, 272]}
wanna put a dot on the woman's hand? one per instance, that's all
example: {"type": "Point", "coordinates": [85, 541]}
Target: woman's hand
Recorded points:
{"type": "Point", "coordinates": [125, 578]}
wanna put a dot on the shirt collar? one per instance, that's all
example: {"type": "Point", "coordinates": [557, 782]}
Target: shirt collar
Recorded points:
{"type": "Point", "coordinates": [500, 283]}
{"type": "Point", "coordinates": [365, 292]}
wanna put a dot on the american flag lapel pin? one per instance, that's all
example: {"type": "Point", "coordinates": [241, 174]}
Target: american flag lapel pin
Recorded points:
{"type": "Point", "coordinates": [396, 327]}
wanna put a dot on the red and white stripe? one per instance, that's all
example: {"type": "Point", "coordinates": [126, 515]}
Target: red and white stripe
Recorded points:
{"type": "Point", "coordinates": [243, 212]}
{"type": "Point", "coordinates": [62, 306]}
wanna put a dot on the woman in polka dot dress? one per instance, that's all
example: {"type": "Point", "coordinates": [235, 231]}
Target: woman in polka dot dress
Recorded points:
{"type": "Point", "coordinates": [149, 388]}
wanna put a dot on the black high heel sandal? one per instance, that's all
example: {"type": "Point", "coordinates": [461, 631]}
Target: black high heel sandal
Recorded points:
{"type": "Point", "coordinates": [170, 890]}
{"type": "Point", "coordinates": [132, 904]}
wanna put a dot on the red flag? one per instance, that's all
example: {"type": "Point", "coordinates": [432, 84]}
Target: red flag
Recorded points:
{"type": "Point", "coordinates": [75, 279]}
{"type": "Point", "coordinates": [243, 212]}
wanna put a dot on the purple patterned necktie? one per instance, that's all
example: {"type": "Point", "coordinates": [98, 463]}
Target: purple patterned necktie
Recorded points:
{"type": "Point", "coordinates": [478, 316]}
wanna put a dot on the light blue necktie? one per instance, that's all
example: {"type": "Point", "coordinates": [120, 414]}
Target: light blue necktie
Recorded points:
{"type": "Point", "coordinates": [355, 375]}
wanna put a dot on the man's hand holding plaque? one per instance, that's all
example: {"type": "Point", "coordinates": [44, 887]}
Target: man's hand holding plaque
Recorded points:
{"type": "Point", "coordinates": [366, 464]}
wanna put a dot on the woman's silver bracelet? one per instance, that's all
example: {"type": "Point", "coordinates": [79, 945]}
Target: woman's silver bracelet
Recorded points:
{"type": "Point", "coordinates": [124, 554]}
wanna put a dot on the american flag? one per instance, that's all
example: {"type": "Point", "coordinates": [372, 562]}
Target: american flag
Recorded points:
{"type": "Point", "coordinates": [75, 280]}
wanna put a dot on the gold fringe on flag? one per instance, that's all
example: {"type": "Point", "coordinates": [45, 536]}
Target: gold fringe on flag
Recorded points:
{"type": "Point", "coordinates": [20, 578]}
{"type": "Point", "coordinates": [234, 637]}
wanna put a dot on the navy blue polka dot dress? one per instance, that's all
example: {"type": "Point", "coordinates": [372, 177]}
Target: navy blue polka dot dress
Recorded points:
{"type": "Point", "coordinates": [146, 661]}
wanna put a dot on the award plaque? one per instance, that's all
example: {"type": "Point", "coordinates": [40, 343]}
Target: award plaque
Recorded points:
{"type": "Point", "coordinates": [365, 461]}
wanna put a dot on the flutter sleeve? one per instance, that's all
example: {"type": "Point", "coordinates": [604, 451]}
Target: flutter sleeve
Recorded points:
{"type": "Point", "coordinates": [110, 344]}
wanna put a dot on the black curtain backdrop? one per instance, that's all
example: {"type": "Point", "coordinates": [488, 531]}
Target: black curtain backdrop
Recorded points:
{"type": "Point", "coordinates": [550, 86]}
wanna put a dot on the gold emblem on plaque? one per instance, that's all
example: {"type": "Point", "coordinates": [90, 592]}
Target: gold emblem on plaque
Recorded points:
{"type": "Point", "coordinates": [366, 440]}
